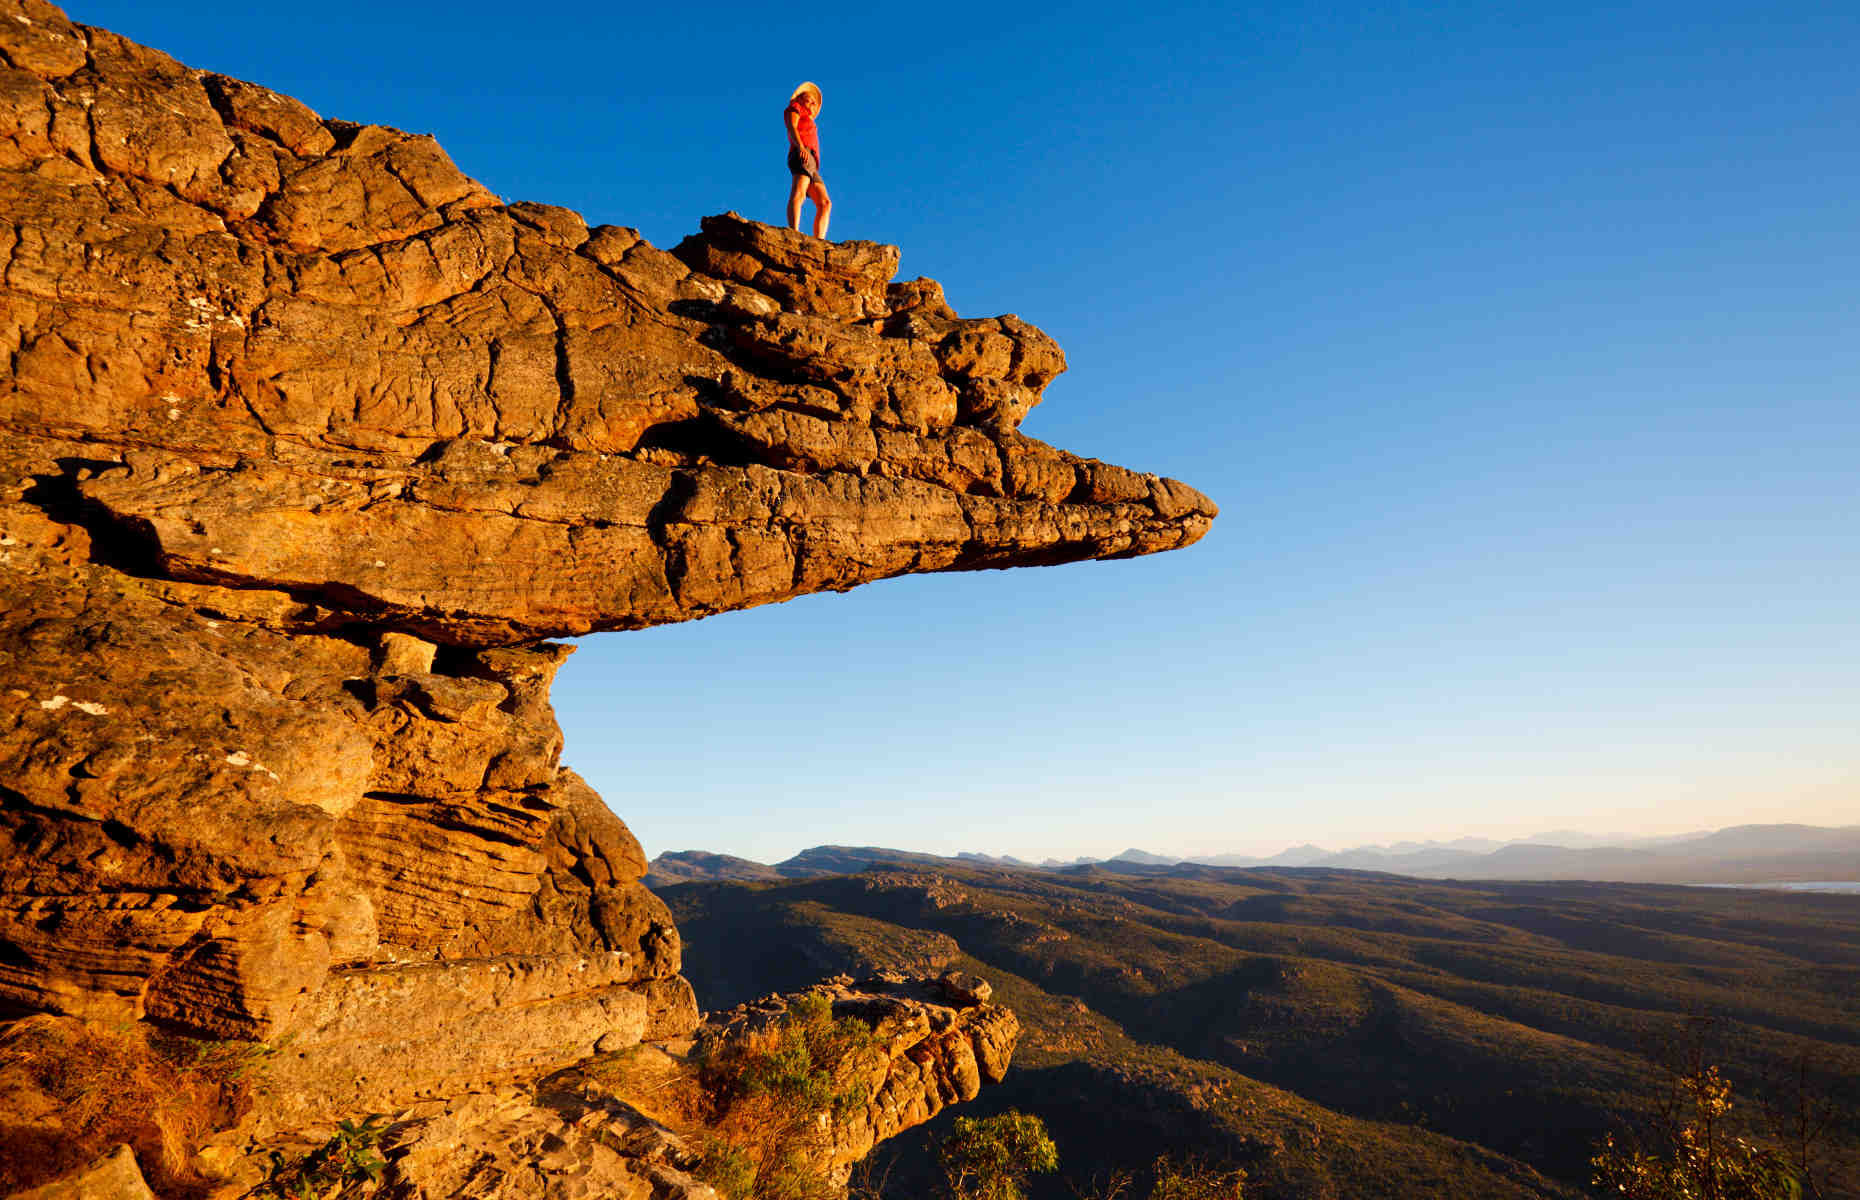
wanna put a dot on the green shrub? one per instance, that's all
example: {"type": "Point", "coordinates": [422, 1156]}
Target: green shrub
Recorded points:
{"type": "Point", "coordinates": [726, 1167]}
{"type": "Point", "coordinates": [813, 1061]}
{"type": "Point", "coordinates": [348, 1157]}
{"type": "Point", "coordinates": [774, 1098]}
{"type": "Point", "coordinates": [1172, 1179]}
{"type": "Point", "coordinates": [990, 1158]}
{"type": "Point", "coordinates": [1195, 1179]}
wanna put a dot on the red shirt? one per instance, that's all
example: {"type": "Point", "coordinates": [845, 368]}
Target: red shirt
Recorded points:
{"type": "Point", "coordinates": [804, 126]}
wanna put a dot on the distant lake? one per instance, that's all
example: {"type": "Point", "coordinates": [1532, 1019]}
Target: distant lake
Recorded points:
{"type": "Point", "coordinates": [1849, 887]}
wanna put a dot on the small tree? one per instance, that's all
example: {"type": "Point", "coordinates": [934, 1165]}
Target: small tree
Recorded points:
{"type": "Point", "coordinates": [1171, 1178]}
{"type": "Point", "coordinates": [1696, 1157]}
{"type": "Point", "coordinates": [1195, 1179]}
{"type": "Point", "coordinates": [990, 1158]}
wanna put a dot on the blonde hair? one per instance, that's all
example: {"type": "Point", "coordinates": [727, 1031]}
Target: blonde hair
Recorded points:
{"type": "Point", "coordinates": [810, 90]}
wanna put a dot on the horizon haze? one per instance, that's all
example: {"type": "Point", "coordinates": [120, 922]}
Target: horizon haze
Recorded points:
{"type": "Point", "coordinates": [1749, 855]}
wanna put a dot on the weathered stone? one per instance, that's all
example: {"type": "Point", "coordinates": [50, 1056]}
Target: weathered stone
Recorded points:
{"type": "Point", "coordinates": [115, 1176]}
{"type": "Point", "coordinates": [671, 1009]}
{"type": "Point", "coordinates": [310, 441]}
{"type": "Point", "coordinates": [404, 654]}
{"type": "Point", "coordinates": [560, 1144]}
{"type": "Point", "coordinates": [843, 280]}
{"type": "Point", "coordinates": [381, 1036]}
{"type": "Point", "coordinates": [963, 988]}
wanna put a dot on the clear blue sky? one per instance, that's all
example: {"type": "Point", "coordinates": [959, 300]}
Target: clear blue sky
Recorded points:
{"type": "Point", "coordinates": [1515, 340]}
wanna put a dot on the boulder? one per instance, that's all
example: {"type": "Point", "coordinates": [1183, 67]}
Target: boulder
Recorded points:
{"type": "Point", "coordinates": [114, 1176]}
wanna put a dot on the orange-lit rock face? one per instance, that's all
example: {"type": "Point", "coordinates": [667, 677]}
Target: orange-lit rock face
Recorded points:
{"type": "Point", "coordinates": [351, 373]}
{"type": "Point", "coordinates": [310, 440]}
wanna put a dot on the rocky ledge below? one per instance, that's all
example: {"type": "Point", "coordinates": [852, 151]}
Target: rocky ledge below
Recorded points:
{"type": "Point", "coordinates": [651, 1122]}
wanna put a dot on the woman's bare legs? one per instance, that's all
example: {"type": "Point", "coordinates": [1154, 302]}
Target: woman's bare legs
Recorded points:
{"type": "Point", "coordinates": [806, 187]}
{"type": "Point", "coordinates": [795, 195]}
{"type": "Point", "coordinates": [823, 208]}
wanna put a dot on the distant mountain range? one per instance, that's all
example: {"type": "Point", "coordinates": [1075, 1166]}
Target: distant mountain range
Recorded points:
{"type": "Point", "coordinates": [1741, 854]}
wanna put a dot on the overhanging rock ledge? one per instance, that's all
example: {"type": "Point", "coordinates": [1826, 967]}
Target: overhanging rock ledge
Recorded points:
{"type": "Point", "coordinates": [311, 442]}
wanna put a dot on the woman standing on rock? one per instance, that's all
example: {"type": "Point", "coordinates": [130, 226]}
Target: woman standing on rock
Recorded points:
{"type": "Point", "coordinates": [804, 159]}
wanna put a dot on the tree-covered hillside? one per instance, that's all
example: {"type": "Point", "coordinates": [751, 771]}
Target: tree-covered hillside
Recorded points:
{"type": "Point", "coordinates": [1338, 1033]}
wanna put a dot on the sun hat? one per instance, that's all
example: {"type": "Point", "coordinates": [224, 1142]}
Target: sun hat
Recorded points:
{"type": "Point", "coordinates": [809, 89]}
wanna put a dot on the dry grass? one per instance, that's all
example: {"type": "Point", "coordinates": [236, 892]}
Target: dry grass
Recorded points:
{"type": "Point", "coordinates": [79, 1089]}
{"type": "Point", "coordinates": [777, 1095]}
{"type": "Point", "coordinates": [760, 1108]}
{"type": "Point", "coordinates": [659, 1082]}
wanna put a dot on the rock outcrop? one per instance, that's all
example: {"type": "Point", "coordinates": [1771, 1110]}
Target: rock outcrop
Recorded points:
{"type": "Point", "coordinates": [939, 1041]}
{"type": "Point", "coordinates": [580, 1133]}
{"type": "Point", "coordinates": [311, 442]}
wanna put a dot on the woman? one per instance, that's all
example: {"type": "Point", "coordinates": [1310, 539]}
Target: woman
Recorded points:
{"type": "Point", "coordinates": [804, 159]}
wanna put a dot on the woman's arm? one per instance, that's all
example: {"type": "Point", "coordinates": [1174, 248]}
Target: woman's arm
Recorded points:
{"type": "Point", "coordinates": [793, 121]}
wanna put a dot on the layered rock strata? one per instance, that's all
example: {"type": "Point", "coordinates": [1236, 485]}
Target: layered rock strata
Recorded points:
{"type": "Point", "coordinates": [310, 443]}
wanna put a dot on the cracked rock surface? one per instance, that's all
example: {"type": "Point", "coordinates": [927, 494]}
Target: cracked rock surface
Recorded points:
{"type": "Point", "coordinates": [311, 442]}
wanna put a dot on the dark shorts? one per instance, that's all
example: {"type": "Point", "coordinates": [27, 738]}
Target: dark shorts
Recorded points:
{"type": "Point", "coordinates": [797, 167]}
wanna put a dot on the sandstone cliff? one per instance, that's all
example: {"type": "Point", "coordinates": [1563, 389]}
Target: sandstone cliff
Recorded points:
{"type": "Point", "coordinates": [310, 443]}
